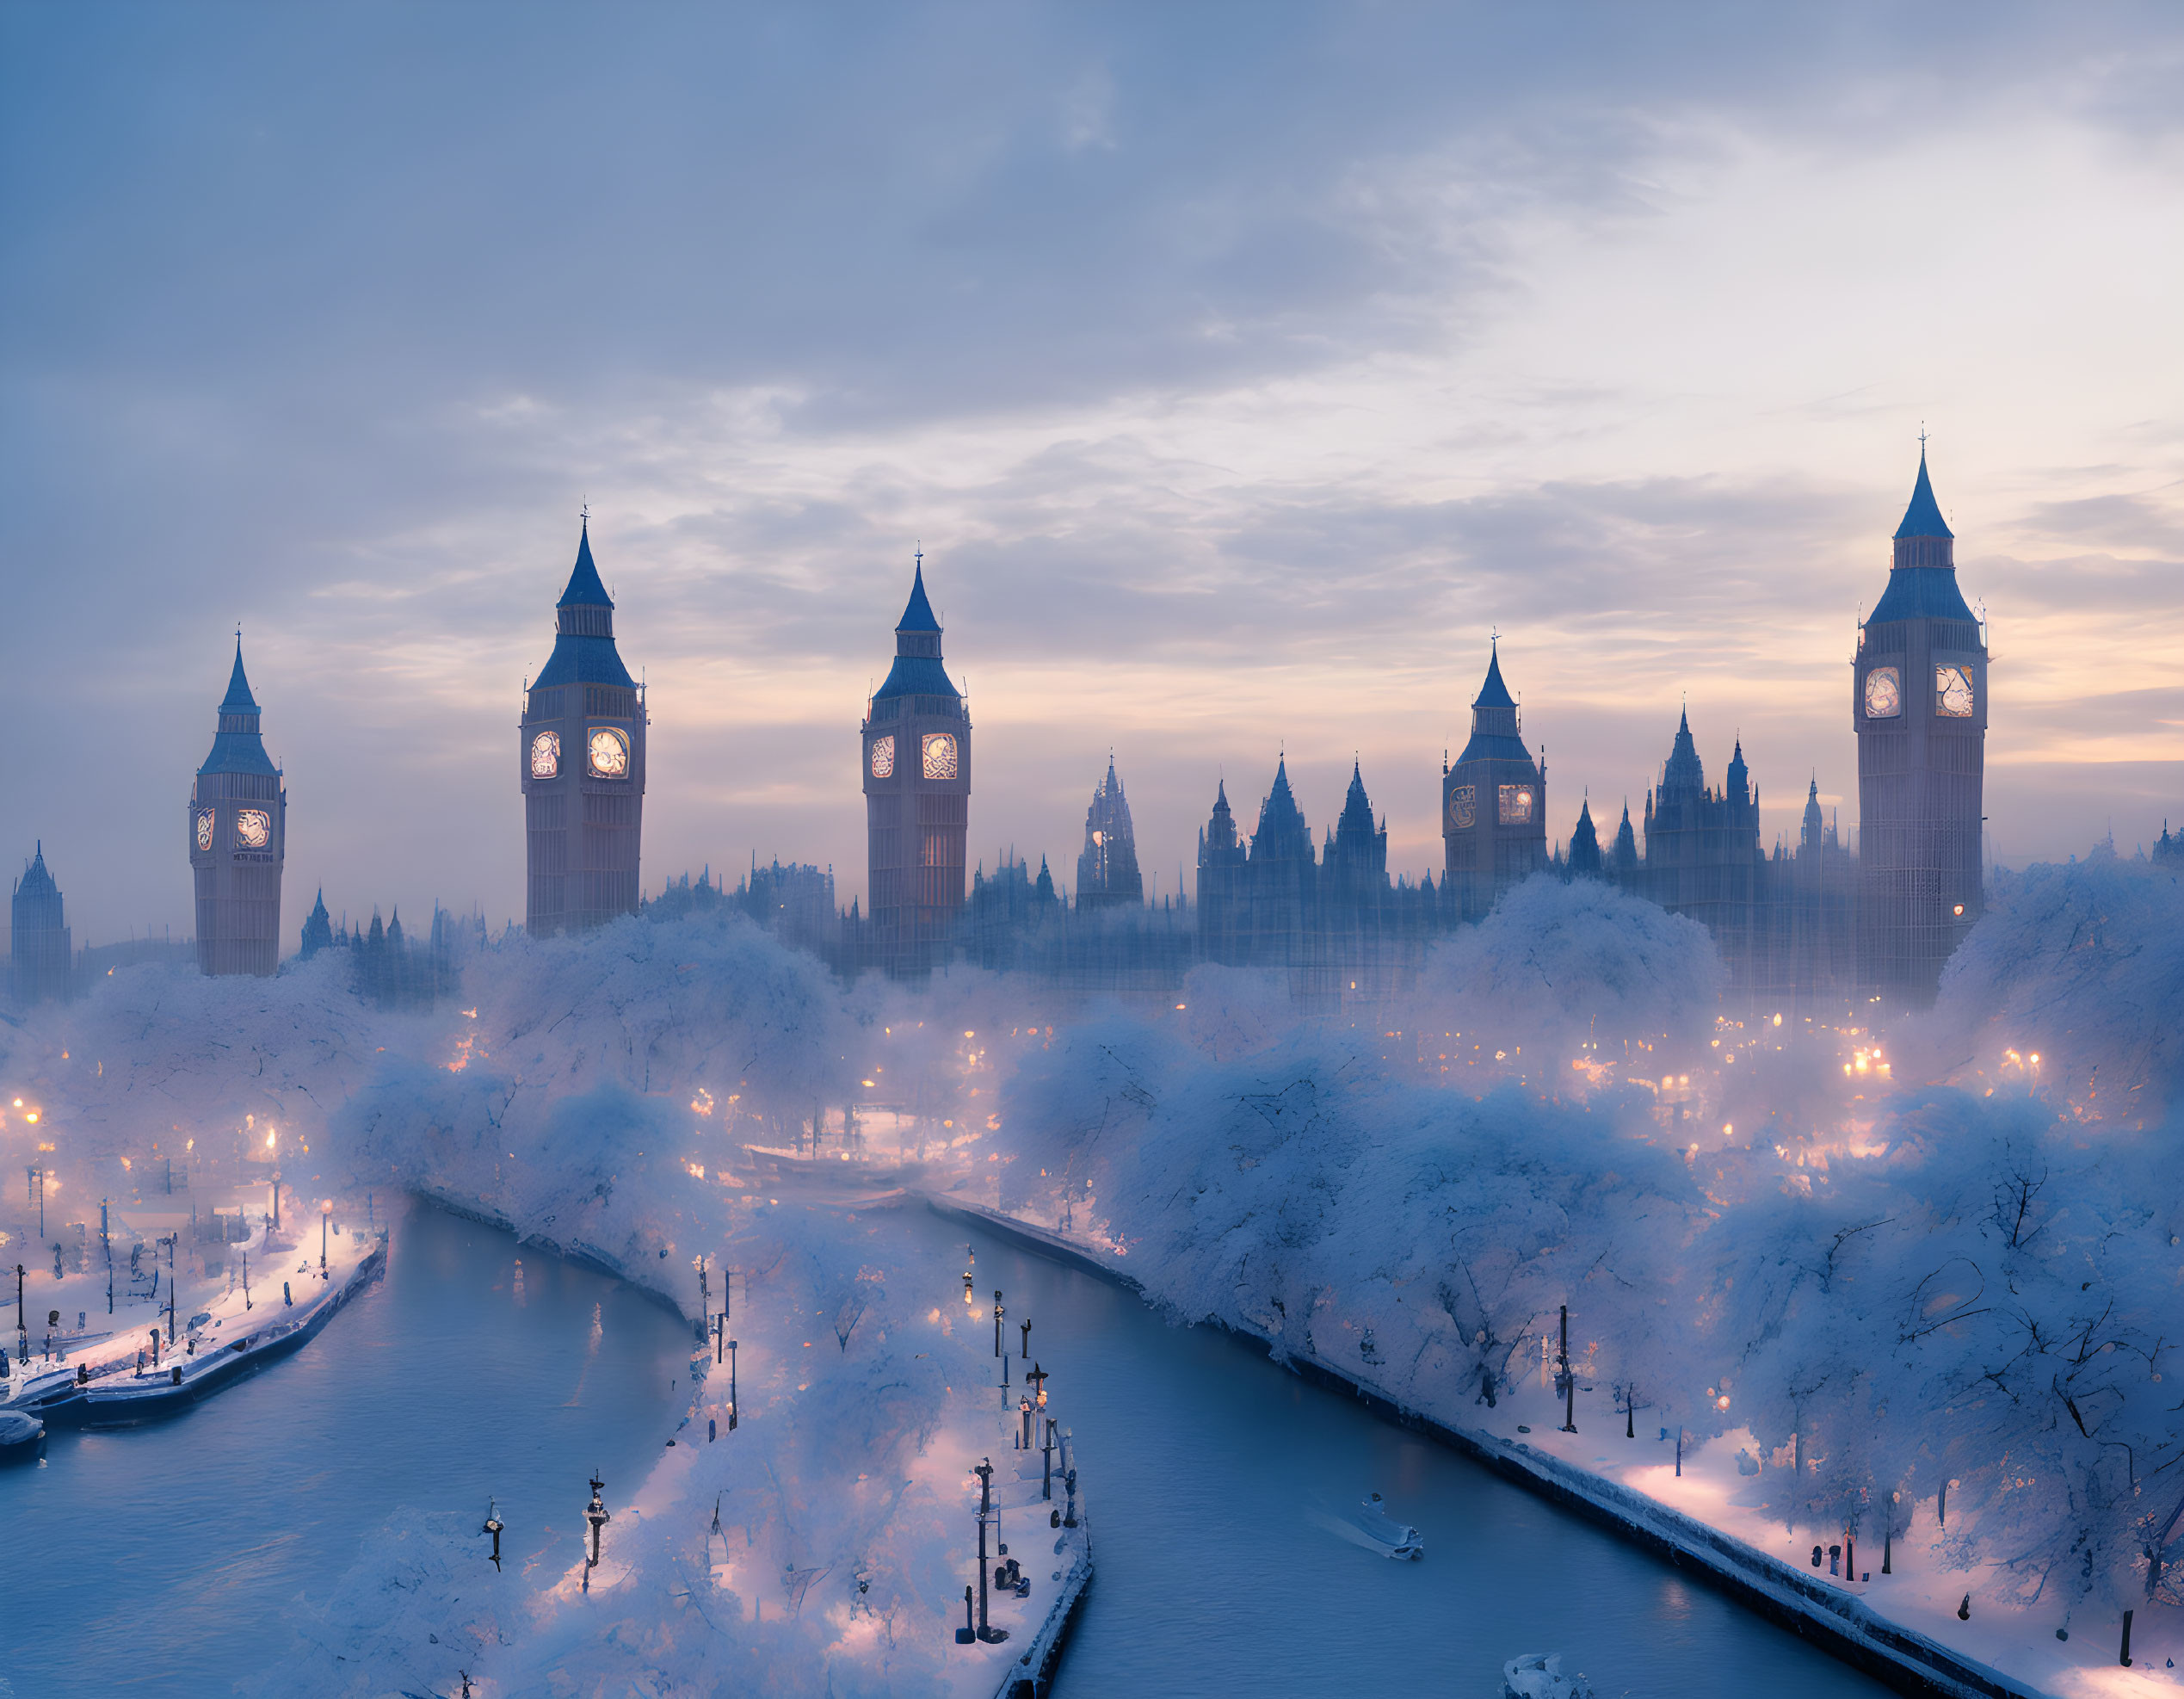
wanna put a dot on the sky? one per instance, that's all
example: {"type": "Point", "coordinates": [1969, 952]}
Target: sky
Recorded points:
{"type": "Point", "coordinates": [1239, 370]}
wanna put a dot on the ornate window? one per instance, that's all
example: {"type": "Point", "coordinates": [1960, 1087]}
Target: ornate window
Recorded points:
{"type": "Point", "coordinates": [1883, 693]}
{"type": "Point", "coordinates": [1953, 692]}
{"type": "Point", "coordinates": [1516, 804]}
{"type": "Point", "coordinates": [883, 757]}
{"type": "Point", "coordinates": [205, 829]}
{"type": "Point", "coordinates": [1463, 807]}
{"type": "Point", "coordinates": [546, 755]}
{"type": "Point", "coordinates": [940, 755]}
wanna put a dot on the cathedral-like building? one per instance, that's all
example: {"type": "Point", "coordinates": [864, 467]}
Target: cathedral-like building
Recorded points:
{"type": "Point", "coordinates": [1493, 803]}
{"type": "Point", "coordinates": [582, 757]}
{"type": "Point", "coordinates": [1106, 867]}
{"type": "Point", "coordinates": [915, 745]}
{"type": "Point", "coordinates": [238, 837]}
{"type": "Point", "coordinates": [1918, 704]}
{"type": "Point", "coordinates": [40, 962]}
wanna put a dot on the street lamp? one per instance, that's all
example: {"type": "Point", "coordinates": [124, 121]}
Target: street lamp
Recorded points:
{"type": "Point", "coordinates": [997, 1351]}
{"type": "Point", "coordinates": [987, 1633]}
{"type": "Point", "coordinates": [1566, 1382]}
{"type": "Point", "coordinates": [493, 1525]}
{"type": "Point", "coordinates": [731, 1386]}
{"type": "Point", "coordinates": [1026, 1325]}
{"type": "Point", "coordinates": [597, 1514]}
{"type": "Point", "coordinates": [325, 1215]}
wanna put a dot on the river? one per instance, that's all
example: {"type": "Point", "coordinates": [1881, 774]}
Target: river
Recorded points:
{"type": "Point", "coordinates": [154, 1561]}
{"type": "Point", "coordinates": [162, 1560]}
{"type": "Point", "coordinates": [1205, 1466]}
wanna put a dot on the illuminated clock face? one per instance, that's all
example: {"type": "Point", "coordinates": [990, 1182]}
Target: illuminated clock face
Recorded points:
{"type": "Point", "coordinates": [883, 757]}
{"type": "Point", "coordinates": [1463, 807]}
{"type": "Point", "coordinates": [546, 755]}
{"type": "Point", "coordinates": [1516, 804]}
{"type": "Point", "coordinates": [205, 829]}
{"type": "Point", "coordinates": [940, 755]}
{"type": "Point", "coordinates": [1883, 693]}
{"type": "Point", "coordinates": [253, 828]}
{"type": "Point", "coordinates": [609, 751]}
{"type": "Point", "coordinates": [1953, 692]}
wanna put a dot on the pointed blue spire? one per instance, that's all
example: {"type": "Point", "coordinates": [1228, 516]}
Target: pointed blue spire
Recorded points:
{"type": "Point", "coordinates": [917, 614]}
{"type": "Point", "coordinates": [1494, 692]}
{"type": "Point", "coordinates": [585, 589]}
{"type": "Point", "coordinates": [1923, 518]}
{"type": "Point", "coordinates": [239, 699]}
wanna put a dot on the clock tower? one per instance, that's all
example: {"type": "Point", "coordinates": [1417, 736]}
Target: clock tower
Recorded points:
{"type": "Point", "coordinates": [915, 743]}
{"type": "Point", "coordinates": [580, 755]}
{"type": "Point", "coordinates": [239, 839]}
{"type": "Point", "coordinates": [1918, 703]}
{"type": "Point", "coordinates": [1493, 804]}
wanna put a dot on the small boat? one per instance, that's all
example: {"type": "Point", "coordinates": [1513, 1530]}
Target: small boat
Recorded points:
{"type": "Point", "coordinates": [1538, 1675]}
{"type": "Point", "coordinates": [1396, 1539]}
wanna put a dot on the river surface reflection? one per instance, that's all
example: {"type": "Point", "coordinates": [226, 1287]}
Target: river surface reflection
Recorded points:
{"type": "Point", "coordinates": [160, 1560]}
{"type": "Point", "coordinates": [1204, 1466]}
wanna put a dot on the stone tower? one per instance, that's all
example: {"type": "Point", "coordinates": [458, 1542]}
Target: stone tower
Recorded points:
{"type": "Point", "coordinates": [238, 840]}
{"type": "Point", "coordinates": [1919, 705]}
{"type": "Point", "coordinates": [1106, 867]}
{"type": "Point", "coordinates": [40, 962]}
{"type": "Point", "coordinates": [915, 741]}
{"type": "Point", "coordinates": [1494, 804]}
{"type": "Point", "coordinates": [581, 756]}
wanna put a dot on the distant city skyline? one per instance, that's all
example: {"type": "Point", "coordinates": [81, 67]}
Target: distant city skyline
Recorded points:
{"type": "Point", "coordinates": [1235, 389]}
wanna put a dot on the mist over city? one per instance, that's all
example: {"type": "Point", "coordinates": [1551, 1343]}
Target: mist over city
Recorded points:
{"type": "Point", "coordinates": [1280, 850]}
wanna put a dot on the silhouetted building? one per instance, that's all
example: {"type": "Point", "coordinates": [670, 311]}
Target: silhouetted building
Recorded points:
{"type": "Point", "coordinates": [1584, 845]}
{"type": "Point", "coordinates": [917, 744]}
{"type": "Point", "coordinates": [238, 835]}
{"type": "Point", "coordinates": [581, 756]}
{"type": "Point", "coordinates": [1702, 852]}
{"type": "Point", "coordinates": [2168, 851]}
{"type": "Point", "coordinates": [39, 960]}
{"type": "Point", "coordinates": [1106, 867]}
{"type": "Point", "coordinates": [1494, 804]}
{"type": "Point", "coordinates": [318, 928]}
{"type": "Point", "coordinates": [1919, 706]}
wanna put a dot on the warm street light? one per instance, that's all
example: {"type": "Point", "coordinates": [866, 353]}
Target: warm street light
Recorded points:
{"type": "Point", "coordinates": [987, 1633]}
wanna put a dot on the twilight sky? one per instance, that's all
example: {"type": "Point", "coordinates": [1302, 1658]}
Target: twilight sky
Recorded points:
{"type": "Point", "coordinates": [1238, 369]}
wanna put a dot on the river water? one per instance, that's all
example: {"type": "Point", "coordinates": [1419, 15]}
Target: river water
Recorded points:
{"type": "Point", "coordinates": [1205, 1466]}
{"type": "Point", "coordinates": [155, 1561]}
{"type": "Point", "coordinates": [158, 1561]}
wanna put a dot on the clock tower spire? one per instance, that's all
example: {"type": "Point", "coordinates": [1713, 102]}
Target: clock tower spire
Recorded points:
{"type": "Point", "coordinates": [239, 839]}
{"type": "Point", "coordinates": [582, 759]}
{"type": "Point", "coordinates": [916, 744]}
{"type": "Point", "coordinates": [1919, 707]}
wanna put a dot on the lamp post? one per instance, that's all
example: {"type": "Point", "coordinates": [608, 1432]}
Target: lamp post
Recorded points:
{"type": "Point", "coordinates": [169, 1242]}
{"type": "Point", "coordinates": [1026, 1325]}
{"type": "Point", "coordinates": [997, 1351]}
{"type": "Point", "coordinates": [276, 1201]}
{"type": "Point", "coordinates": [987, 1633]}
{"type": "Point", "coordinates": [1037, 1380]}
{"type": "Point", "coordinates": [705, 1303]}
{"type": "Point", "coordinates": [493, 1526]}
{"type": "Point", "coordinates": [22, 1333]}
{"type": "Point", "coordinates": [597, 1514]}
{"type": "Point", "coordinates": [1024, 1422]}
{"type": "Point", "coordinates": [731, 1386]}
{"type": "Point", "coordinates": [971, 1261]}
{"type": "Point", "coordinates": [325, 1216]}
{"type": "Point", "coordinates": [1046, 1481]}
{"type": "Point", "coordinates": [1565, 1382]}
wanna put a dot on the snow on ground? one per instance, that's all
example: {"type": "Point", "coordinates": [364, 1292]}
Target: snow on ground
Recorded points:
{"type": "Point", "coordinates": [1897, 1259]}
{"type": "Point", "coordinates": [1973, 1280]}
